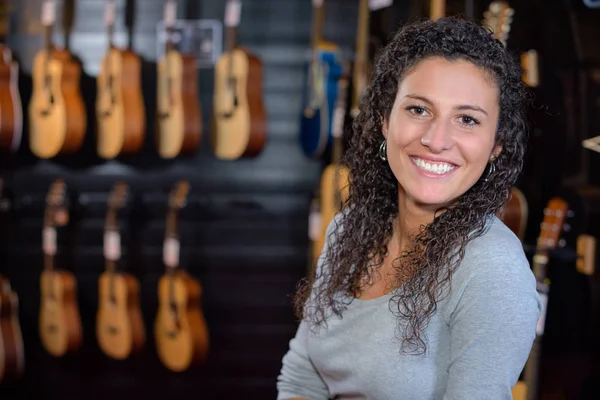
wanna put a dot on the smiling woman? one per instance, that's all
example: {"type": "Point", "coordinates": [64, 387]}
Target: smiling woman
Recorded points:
{"type": "Point", "coordinates": [420, 291]}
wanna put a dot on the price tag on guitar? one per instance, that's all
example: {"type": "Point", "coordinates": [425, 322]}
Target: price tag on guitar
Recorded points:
{"type": "Point", "coordinates": [317, 3]}
{"type": "Point", "coordinates": [48, 12]}
{"type": "Point", "coordinates": [170, 12]}
{"type": "Point", "coordinates": [49, 240]}
{"type": "Point", "coordinates": [375, 5]}
{"type": "Point", "coordinates": [112, 245]}
{"type": "Point", "coordinates": [109, 12]}
{"type": "Point", "coordinates": [171, 252]}
{"type": "Point", "coordinates": [314, 224]}
{"type": "Point", "coordinates": [233, 13]}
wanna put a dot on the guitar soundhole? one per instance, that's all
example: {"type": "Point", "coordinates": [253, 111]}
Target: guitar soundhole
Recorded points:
{"type": "Point", "coordinates": [166, 114]}
{"type": "Point", "coordinates": [47, 86]}
{"type": "Point", "coordinates": [231, 84]}
{"type": "Point", "coordinates": [112, 330]}
{"type": "Point", "coordinates": [173, 331]}
{"type": "Point", "coordinates": [113, 99]}
{"type": "Point", "coordinates": [52, 328]}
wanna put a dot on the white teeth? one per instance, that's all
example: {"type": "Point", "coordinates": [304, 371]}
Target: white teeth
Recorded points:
{"type": "Point", "coordinates": [437, 168]}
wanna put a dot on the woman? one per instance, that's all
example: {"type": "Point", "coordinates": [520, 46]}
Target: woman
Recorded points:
{"type": "Point", "coordinates": [421, 292]}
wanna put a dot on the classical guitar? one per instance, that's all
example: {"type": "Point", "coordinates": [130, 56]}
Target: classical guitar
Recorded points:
{"type": "Point", "coordinates": [335, 177]}
{"type": "Point", "coordinates": [57, 113]}
{"type": "Point", "coordinates": [323, 71]}
{"type": "Point", "coordinates": [120, 112]}
{"type": "Point", "coordinates": [59, 320]}
{"type": "Point", "coordinates": [180, 330]}
{"type": "Point", "coordinates": [179, 115]}
{"type": "Point", "coordinates": [120, 328]}
{"type": "Point", "coordinates": [239, 112]}
{"type": "Point", "coordinates": [11, 113]}
{"type": "Point", "coordinates": [12, 355]}
{"type": "Point", "coordinates": [553, 224]}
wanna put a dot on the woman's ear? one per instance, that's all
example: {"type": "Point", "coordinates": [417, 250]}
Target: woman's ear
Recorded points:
{"type": "Point", "coordinates": [384, 127]}
{"type": "Point", "coordinates": [496, 152]}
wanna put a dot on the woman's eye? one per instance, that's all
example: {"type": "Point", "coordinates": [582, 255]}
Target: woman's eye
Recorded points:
{"type": "Point", "coordinates": [467, 120]}
{"type": "Point", "coordinates": [416, 110]}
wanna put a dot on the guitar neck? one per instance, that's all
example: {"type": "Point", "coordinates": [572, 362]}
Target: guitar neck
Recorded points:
{"type": "Point", "coordinates": [317, 25]}
{"type": "Point", "coordinates": [360, 64]}
{"type": "Point", "coordinates": [437, 9]}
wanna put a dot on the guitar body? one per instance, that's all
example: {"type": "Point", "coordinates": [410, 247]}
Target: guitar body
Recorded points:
{"type": "Point", "coordinates": [333, 180]}
{"type": "Point", "coordinates": [11, 115]}
{"type": "Point", "coordinates": [316, 121]}
{"type": "Point", "coordinates": [515, 213]}
{"type": "Point", "coordinates": [60, 324]}
{"type": "Point", "coordinates": [120, 105]}
{"type": "Point", "coordinates": [179, 118]}
{"type": "Point", "coordinates": [243, 134]}
{"type": "Point", "coordinates": [12, 359]}
{"type": "Point", "coordinates": [180, 329]}
{"type": "Point", "coordinates": [57, 117]}
{"type": "Point", "coordinates": [119, 325]}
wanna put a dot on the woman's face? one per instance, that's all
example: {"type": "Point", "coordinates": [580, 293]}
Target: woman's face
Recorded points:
{"type": "Point", "coordinates": [440, 132]}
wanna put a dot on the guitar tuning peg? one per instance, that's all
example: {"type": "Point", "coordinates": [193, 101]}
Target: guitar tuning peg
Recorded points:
{"type": "Point", "coordinates": [566, 227]}
{"type": "Point", "coordinates": [562, 242]}
{"type": "Point", "coordinates": [570, 214]}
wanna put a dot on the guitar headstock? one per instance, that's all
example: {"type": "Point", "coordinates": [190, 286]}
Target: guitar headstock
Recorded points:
{"type": "Point", "coordinates": [117, 199]}
{"type": "Point", "coordinates": [56, 204]}
{"type": "Point", "coordinates": [178, 195]}
{"type": "Point", "coordinates": [555, 215]}
{"type": "Point", "coordinates": [118, 196]}
{"type": "Point", "coordinates": [498, 17]}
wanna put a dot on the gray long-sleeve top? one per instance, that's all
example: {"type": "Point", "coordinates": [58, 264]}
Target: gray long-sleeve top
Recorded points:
{"type": "Point", "coordinates": [478, 339]}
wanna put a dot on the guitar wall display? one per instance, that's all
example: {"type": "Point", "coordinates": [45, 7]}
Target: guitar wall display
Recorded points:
{"type": "Point", "coordinates": [59, 321]}
{"type": "Point", "coordinates": [239, 113]}
{"type": "Point", "coordinates": [119, 326]}
{"type": "Point", "coordinates": [179, 116]}
{"type": "Point", "coordinates": [11, 112]}
{"type": "Point", "coordinates": [120, 112]}
{"type": "Point", "coordinates": [57, 116]}
{"type": "Point", "coordinates": [180, 331]}
{"type": "Point", "coordinates": [323, 71]}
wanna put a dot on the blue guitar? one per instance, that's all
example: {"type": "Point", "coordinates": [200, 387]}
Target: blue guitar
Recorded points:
{"type": "Point", "coordinates": [324, 71]}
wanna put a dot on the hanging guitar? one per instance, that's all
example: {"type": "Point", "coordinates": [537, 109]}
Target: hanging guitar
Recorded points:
{"type": "Point", "coordinates": [59, 320]}
{"type": "Point", "coordinates": [180, 330]}
{"type": "Point", "coordinates": [239, 112]}
{"type": "Point", "coordinates": [179, 115]}
{"type": "Point", "coordinates": [11, 113]}
{"type": "Point", "coordinates": [555, 215]}
{"type": "Point", "coordinates": [120, 111]}
{"type": "Point", "coordinates": [323, 72]}
{"type": "Point", "coordinates": [334, 180]}
{"type": "Point", "coordinates": [57, 114]}
{"type": "Point", "coordinates": [12, 354]}
{"type": "Point", "coordinates": [119, 325]}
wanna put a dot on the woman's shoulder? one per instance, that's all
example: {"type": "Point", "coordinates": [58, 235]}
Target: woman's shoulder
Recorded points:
{"type": "Point", "coordinates": [495, 258]}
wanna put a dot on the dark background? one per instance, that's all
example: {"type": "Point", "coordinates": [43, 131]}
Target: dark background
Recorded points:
{"type": "Point", "coordinates": [244, 231]}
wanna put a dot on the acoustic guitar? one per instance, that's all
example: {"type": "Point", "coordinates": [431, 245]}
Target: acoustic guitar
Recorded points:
{"type": "Point", "coordinates": [239, 112]}
{"type": "Point", "coordinates": [120, 328]}
{"type": "Point", "coordinates": [323, 72]}
{"type": "Point", "coordinates": [179, 115]}
{"type": "Point", "coordinates": [515, 213]}
{"type": "Point", "coordinates": [59, 320]}
{"type": "Point", "coordinates": [334, 187]}
{"type": "Point", "coordinates": [57, 114]}
{"type": "Point", "coordinates": [11, 113]}
{"type": "Point", "coordinates": [553, 225]}
{"type": "Point", "coordinates": [180, 330]}
{"type": "Point", "coordinates": [12, 354]}
{"type": "Point", "coordinates": [120, 112]}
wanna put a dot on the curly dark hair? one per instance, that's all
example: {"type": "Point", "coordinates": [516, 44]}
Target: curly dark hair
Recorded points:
{"type": "Point", "coordinates": [357, 245]}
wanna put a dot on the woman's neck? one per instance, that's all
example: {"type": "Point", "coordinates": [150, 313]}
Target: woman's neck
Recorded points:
{"type": "Point", "coordinates": [411, 216]}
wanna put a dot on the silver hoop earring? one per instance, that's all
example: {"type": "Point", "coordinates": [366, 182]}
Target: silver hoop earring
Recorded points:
{"type": "Point", "coordinates": [491, 171]}
{"type": "Point", "coordinates": [383, 150]}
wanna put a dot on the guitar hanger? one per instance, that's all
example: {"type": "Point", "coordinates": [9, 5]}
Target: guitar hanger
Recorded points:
{"type": "Point", "coordinates": [68, 18]}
